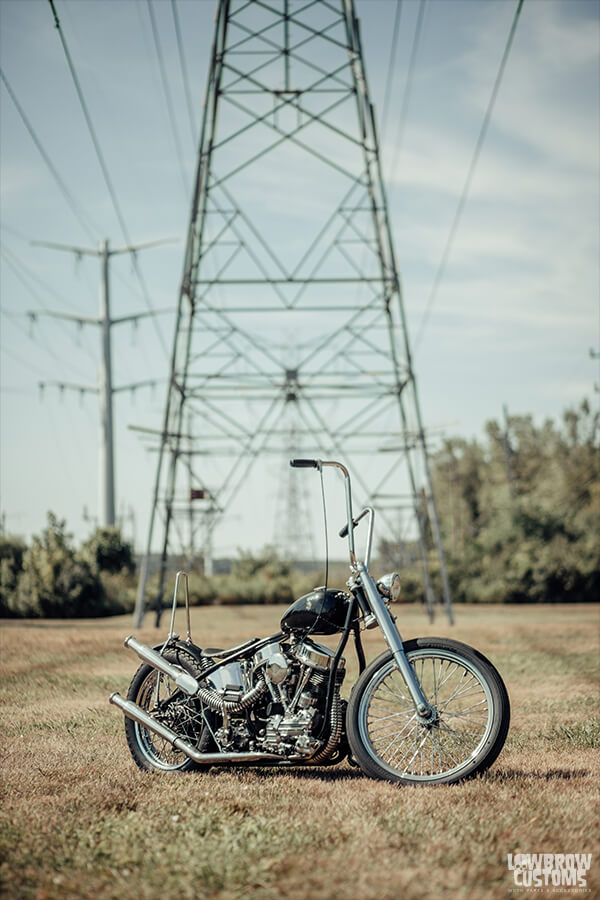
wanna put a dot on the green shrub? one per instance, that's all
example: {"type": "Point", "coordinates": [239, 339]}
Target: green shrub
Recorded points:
{"type": "Point", "coordinates": [57, 582]}
{"type": "Point", "coordinates": [11, 566]}
{"type": "Point", "coordinates": [106, 551]}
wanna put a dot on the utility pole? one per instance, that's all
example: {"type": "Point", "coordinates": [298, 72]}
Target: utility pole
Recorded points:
{"type": "Point", "coordinates": [104, 389]}
{"type": "Point", "coordinates": [107, 451]}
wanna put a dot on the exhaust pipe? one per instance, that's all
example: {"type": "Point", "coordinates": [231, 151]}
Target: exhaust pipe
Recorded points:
{"type": "Point", "coordinates": [135, 712]}
{"type": "Point", "coordinates": [182, 679]}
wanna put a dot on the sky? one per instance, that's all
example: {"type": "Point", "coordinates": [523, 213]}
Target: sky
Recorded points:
{"type": "Point", "coordinates": [517, 310]}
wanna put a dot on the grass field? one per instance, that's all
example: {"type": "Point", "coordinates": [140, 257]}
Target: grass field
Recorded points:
{"type": "Point", "coordinates": [79, 820]}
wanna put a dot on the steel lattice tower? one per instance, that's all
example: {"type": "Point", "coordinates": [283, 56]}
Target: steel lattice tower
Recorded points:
{"type": "Point", "coordinates": [289, 230]}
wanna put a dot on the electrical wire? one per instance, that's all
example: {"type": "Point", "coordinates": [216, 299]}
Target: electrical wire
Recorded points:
{"type": "Point", "coordinates": [469, 178]}
{"type": "Point", "coordinates": [386, 102]}
{"type": "Point", "coordinates": [407, 90]}
{"type": "Point", "coordinates": [168, 98]}
{"type": "Point", "coordinates": [75, 209]}
{"type": "Point", "coordinates": [388, 82]}
{"type": "Point", "coordinates": [90, 126]}
{"type": "Point", "coordinates": [17, 263]}
{"type": "Point", "coordinates": [184, 75]}
{"type": "Point", "coordinates": [24, 362]}
{"type": "Point", "coordinates": [62, 324]}
{"type": "Point", "coordinates": [105, 172]}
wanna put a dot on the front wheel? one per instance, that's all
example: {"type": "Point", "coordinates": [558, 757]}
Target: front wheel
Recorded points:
{"type": "Point", "coordinates": [465, 734]}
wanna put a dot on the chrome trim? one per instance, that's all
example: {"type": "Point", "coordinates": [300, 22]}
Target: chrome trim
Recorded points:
{"type": "Point", "coordinates": [313, 655]}
{"type": "Point", "coordinates": [389, 586]}
{"type": "Point", "coordinates": [371, 512]}
{"type": "Point", "coordinates": [135, 712]}
{"type": "Point", "coordinates": [349, 518]}
{"type": "Point", "coordinates": [182, 679]}
{"type": "Point", "coordinates": [228, 675]}
{"type": "Point", "coordinates": [394, 641]}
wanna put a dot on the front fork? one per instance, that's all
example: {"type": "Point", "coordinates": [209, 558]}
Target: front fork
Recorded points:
{"type": "Point", "coordinates": [394, 642]}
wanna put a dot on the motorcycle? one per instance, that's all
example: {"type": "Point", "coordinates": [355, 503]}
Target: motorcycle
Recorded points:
{"type": "Point", "coordinates": [426, 711]}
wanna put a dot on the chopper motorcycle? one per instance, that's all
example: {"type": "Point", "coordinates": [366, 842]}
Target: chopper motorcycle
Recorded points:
{"type": "Point", "coordinates": [426, 711]}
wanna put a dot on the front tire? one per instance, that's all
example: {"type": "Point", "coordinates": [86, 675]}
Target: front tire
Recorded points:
{"type": "Point", "coordinates": [464, 737]}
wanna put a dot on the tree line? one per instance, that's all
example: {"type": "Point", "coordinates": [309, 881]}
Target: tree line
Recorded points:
{"type": "Point", "coordinates": [51, 578]}
{"type": "Point", "coordinates": [519, 513]}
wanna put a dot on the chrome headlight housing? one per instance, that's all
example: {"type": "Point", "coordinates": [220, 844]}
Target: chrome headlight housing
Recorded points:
{"type": "Point", "coordinates": [389, 587]}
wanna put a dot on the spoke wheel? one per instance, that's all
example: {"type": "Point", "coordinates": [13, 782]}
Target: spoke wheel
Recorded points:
{"type": "Point", "coordinates": [465, 734]}
{"type": "Point", "coordinates": [159, 696]}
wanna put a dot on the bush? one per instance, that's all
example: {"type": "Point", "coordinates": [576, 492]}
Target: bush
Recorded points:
{"type": "Point", "coordinates": [525, 528]}
{"type": "Point", "coordinates": [260, 579]}
{"type": "Point", "coordinates": [57, 582]}
{"type": "Point", "coordinates": [12, 550]}
{"type": "Point", "coordinates": [119, 591]}
{"type": "Point", "coordinates": [106, 551]}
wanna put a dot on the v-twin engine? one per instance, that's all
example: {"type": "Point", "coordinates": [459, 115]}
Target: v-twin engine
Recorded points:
{"type": "Point", "coordinates": [275, 701]}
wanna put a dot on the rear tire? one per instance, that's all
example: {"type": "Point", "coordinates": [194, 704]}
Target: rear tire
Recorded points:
{"type": "Point", "coordinates": [472, 715]}
{"type": "Point", "coordinates": [151, 752]}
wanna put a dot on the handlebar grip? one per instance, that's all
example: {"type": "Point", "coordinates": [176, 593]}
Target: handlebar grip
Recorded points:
{"type": "Point", "coordinates": [344, 530]}
{"type": "Point", "coordinates": [304, 463]}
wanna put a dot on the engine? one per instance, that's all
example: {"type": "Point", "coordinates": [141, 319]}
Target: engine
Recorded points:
{"type": "Point", "coordinates": [274, 700]}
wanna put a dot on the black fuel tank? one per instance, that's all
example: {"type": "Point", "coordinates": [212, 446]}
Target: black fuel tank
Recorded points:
{"type": "Point", "coordinates": [320, 612]}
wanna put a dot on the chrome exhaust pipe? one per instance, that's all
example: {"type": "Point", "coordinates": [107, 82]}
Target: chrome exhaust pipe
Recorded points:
{"type": "Point", "coordinates": [182, 679]}
{"type": "Point", "coordinates": [135, 712]}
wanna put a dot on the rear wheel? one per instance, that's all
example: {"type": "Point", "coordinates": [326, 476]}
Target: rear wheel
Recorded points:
{"type": "Point", "coordinates": [159, 696]}
{"type": "Point", "coordinates": [465, 734]}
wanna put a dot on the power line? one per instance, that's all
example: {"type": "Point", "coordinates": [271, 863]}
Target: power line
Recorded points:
{"type": "Point", "coordinates": [16, 320]}
{"type": "Point", "coordinates": [390, 72]}
{"type": "Point", "coordinates": [24, 362]}
{"type": "Point", "coordinates": [105, 388]}
{"type": "Point", "coordinates": [184, 75]}
{"type": "Point", "coordinates": [19, 275]}
{"type": "Point", "coordinates": [168, 99]}
{"type": "Point", "coordinates": [79, 215]}
{"type": "Point", "coordinates": [104, 168]}
{"type": "Point", "coordinates": [407, 89]}
{"type": "Point", "coordinates": [387, 91]}
{"type": "Point", "coordinates": [11, 257]}
{"type": "Point", "coordinates": [90, 125]}
{"type": "Point", "coordinates": [25, 270]}
{"type": "Point", "coordinates": [471, 171]}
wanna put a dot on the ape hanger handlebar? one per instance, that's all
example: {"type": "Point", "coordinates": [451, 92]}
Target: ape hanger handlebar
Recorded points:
{"type": "Point", "coordinates": [351, 522]}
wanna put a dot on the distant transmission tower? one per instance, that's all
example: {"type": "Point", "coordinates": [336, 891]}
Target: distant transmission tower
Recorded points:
{"type": "Point", "coordinates": [290, 229]}
{"type": "Point", "coordinates": [293, 539]}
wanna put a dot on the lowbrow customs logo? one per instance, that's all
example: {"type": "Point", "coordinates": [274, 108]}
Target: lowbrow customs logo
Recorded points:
{"type": "Point", "coordinates": [563, 872]}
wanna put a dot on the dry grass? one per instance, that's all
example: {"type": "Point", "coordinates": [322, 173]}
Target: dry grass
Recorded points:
{"type": "Point", "coordinates": [79, 820]}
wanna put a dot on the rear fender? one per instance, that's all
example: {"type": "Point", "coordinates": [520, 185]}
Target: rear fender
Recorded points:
{"type": "Point", "coordinates": [187, 646]}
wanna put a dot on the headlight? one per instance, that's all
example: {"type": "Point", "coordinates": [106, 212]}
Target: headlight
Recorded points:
{"type": "Point", "coordinates": [389, 586]}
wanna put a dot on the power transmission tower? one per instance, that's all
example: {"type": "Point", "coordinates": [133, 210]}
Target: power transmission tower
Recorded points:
{"type": "Point", "coordinates": [290, 228]}
{"type": "Point", "coordinates": [294, 538]}
{"type": "Point", "coordinates": [104, 389]}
